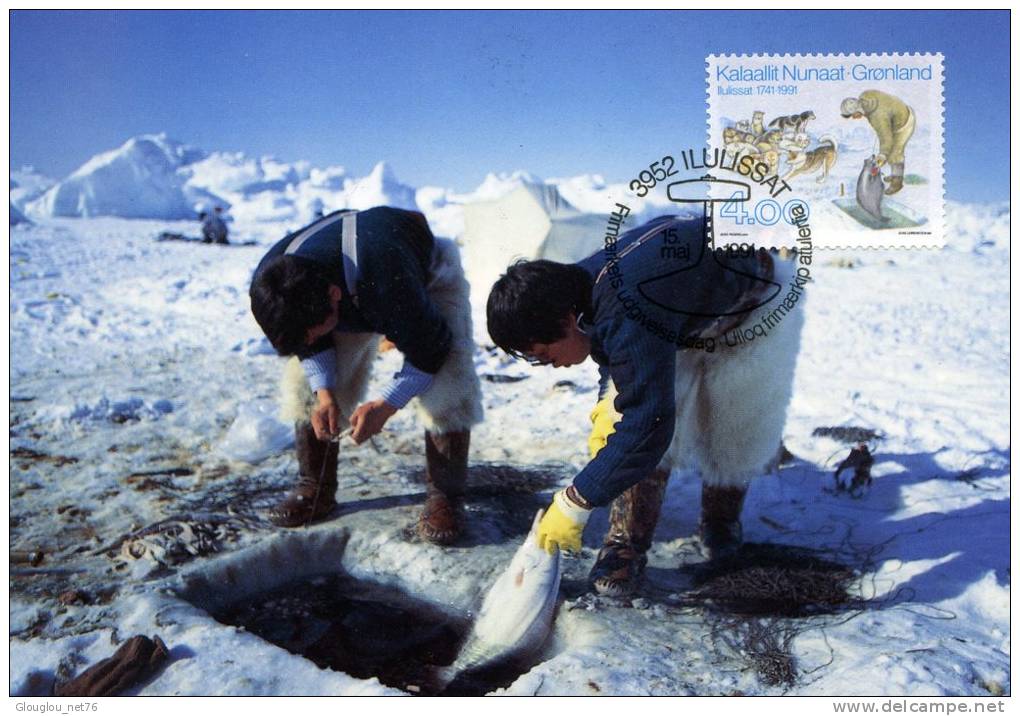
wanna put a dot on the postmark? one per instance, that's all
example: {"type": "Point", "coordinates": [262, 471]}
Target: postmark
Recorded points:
{"type": "Point", "coordinates": [694, 278]}
{"type": "Point", "coordinates": [859, 137]}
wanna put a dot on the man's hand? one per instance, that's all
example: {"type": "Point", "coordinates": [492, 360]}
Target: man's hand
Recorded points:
{"type": "Point", "coordinates": [562, 524]}
{"type": "Point", "coordinates": [369, 419]}
{"type": "Point", "coordinates": [325, 416]}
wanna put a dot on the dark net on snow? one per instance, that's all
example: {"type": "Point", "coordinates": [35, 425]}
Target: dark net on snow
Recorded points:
{"type": "Point", "coordinates": [764, 644]}
{"type": "Point", "coordinates": [759, 599]}
{"type": "Point", "coordinates": [847, 434]}
{"type": "Point", "coordinates": [774, 580]}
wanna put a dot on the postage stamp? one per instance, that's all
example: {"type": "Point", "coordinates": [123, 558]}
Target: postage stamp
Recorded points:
{"type": "Point", "coordinates": [856, 137]}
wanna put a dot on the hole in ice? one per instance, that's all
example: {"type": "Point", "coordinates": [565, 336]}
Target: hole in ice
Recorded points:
{"type": "Point", "coordinates": [294, 593]}
{"type": "Point", "coordinates": [366, 630]}
{"type": "Point", "coordinates": [356, 627]}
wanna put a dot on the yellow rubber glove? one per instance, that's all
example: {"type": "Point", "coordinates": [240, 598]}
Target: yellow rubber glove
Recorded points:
{"type": "Point", "coordinates": [562, 524]}
{"type": "Point", "coordinates": [603, 424]}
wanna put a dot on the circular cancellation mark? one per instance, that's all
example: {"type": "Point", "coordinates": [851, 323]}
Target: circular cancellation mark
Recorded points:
{"type": "Point", "coordinates": [722, 271]}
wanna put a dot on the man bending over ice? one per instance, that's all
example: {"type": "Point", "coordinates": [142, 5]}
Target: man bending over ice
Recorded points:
{"type": "Point", "coordinates": [672, 392]}
{"type": "Point", "coordinates": [326, 294]}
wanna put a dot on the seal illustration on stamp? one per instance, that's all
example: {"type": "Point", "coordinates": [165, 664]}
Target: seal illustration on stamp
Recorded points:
{"type": "Point", "coordinates": [859, 136]}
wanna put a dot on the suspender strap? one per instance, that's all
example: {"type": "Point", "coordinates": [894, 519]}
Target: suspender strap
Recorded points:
{"type": "Point", "coordinates": [660, 225]}
{"type": "Point", "coordinates": [350, 249]}
{"type": "Point", "coordinates": [311, 231]}
{"type": "Point", "coordinates": [349, 244]}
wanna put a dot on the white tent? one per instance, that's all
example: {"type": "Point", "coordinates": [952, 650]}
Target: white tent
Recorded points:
{"type": "Point", "coordinates": [533, 221]}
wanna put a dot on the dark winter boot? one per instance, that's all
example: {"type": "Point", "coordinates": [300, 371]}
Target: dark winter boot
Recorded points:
{"type": "Point", "coordinates": [721, 534]}
{"type": "Point", "coordinates": [314, 497]}
{"type": "Point", "coordinates": [446, 457]}
{"type": "Point", "coordinates": [895, 178]}
{"type": "Point", "coordinates": [632, 518]}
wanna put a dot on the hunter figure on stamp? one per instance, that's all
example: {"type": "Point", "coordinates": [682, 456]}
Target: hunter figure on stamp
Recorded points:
{"type": "Point", "coordinates": [664, 402]}
{"type": "Point", "coordinates": [326, 294]}
{"type": "Point", "coordinates": [893, 122]}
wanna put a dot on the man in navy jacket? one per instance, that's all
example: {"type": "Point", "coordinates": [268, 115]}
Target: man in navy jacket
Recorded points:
{"type": "Point", "coordinates": [325, 294]}
{"type": "Point", "coordinates": [653, 311]}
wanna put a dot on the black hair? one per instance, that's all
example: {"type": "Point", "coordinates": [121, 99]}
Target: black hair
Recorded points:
{"type": "Point", "coordinates": [289, 295]}
{"type": "Point", "coordinates": [530, 303]}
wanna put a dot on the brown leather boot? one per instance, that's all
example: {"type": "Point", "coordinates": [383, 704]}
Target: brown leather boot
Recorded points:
{"type": "Point", "coordinates": [446, 457]}
{"type": "Point", "coordinates": [721, 533]}
{"type": "Point", "coordinates": [632, 518]}
{"type": "Point", "coordinates": [314, 496]}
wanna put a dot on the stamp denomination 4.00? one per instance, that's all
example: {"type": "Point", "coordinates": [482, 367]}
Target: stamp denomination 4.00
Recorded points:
{"type": "Point", "coordinates": [858, 136]}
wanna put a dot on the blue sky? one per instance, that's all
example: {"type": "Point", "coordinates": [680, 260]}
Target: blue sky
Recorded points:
{"type": "Point", "coordinates": [446, 97]}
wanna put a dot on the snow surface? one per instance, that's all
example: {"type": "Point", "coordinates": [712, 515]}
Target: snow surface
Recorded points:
{"type": "Point", "coordinates": [131, 359]}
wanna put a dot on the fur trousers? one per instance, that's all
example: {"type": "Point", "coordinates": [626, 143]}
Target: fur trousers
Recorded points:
{"type": "Point", "coordinates": [731, 404]}
{"type": "Point", "coordinates": [454, 400]}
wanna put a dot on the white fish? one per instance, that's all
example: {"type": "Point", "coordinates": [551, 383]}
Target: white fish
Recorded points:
{"type": "Point", "coordinates": [517, 613]}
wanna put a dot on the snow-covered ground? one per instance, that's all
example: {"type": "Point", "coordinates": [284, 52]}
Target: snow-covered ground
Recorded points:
{"type": "Point", "coordinates": [130, 360]}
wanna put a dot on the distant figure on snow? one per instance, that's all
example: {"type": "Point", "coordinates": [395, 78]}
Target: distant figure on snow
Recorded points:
{"type": "Point", "coordinates": [318, 209]}
{"type": "Point", "coordinates": [214, 229]}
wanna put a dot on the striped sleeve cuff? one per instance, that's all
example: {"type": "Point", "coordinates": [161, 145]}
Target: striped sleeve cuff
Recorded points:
{"type": "Point", "coordinates": [321, 369]}
{"type": "Point", "coordinates": [407, 384]}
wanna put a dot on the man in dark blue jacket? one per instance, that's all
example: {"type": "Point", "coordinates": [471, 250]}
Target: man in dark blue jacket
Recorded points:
{"type": "Point", "coordinates": [326, 294]}
{"type": "Point", "coordinates": [653, 311]}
